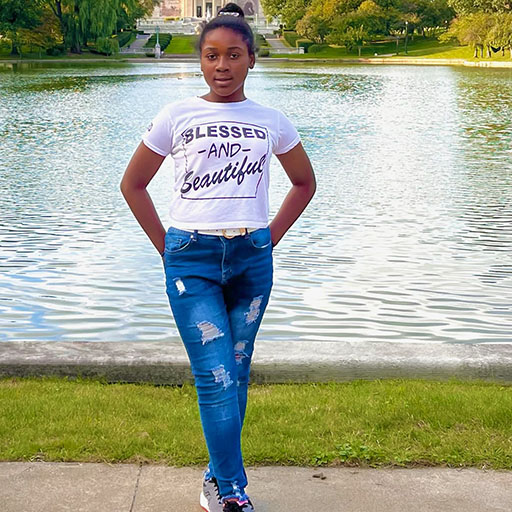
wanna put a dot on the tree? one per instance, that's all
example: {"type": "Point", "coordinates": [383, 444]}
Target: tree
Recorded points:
{"type": "Point", "coordinates": [348, 35]}
{"type": "Point", "coordinates": [290, 11]}
{"type": "Point", "coordinates": [44, 36]}
{"type": "Point", "coordinates": [84, 20]}
{"type": "Point", "coordinates": [129, 11]}
{"type": "Point", "coordinates": [501, 33]}
{"type": "Point", "coordinates": [16, 15]}
{"type": "Point", "coordinates": [473, 6]}
{"type": "Point", "coordinates": [472, 29]}
{"type": "Point", "coordinates": [313, 27]}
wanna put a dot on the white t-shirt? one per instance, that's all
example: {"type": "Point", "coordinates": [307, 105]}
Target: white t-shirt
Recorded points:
{"type": "Point", "coordinates": [221, 153]}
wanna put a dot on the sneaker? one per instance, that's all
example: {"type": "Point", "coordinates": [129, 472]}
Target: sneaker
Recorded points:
{"type": "Point", "coordinates": [234, 505]}
{"type": "Point", "coordinates": [210, 496]}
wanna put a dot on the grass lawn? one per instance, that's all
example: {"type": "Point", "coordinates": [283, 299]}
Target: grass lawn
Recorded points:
{"type": "Point", "coordinates": [368, 423]}
{"type": "Point", "coordinates": [182, 44]}
{"type": "Point", "coordinates": [419, 47]}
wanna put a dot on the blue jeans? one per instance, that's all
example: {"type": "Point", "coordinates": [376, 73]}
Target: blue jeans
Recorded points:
{"type": "Point", "coordinates": [218, 289]}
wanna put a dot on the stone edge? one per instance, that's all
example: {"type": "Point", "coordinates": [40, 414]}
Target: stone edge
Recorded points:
{"type": "Point", "coordinates": [273, 362]}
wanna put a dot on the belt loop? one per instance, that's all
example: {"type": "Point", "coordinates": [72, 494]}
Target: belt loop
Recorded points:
{"type": "Point", "coordinates": [194, 235]}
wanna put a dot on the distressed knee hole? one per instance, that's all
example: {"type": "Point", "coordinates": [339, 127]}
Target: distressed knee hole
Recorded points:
{"type": "Point", "coordinates": [240, 353]}
{"type": "Point", "coordinates": [179, 285]}
{"type": "Point", "coordinates": [222, 376]}
{"type": "Point", "coordinates": [209, 331]}
{"type": "Point", "coordinates": [254, 310]}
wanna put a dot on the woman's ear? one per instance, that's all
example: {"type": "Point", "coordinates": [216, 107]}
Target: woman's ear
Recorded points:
{"type": "Point", "coordinates": [252, 60]}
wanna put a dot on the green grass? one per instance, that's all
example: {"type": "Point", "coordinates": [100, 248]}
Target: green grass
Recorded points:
{"type": "Point", "coordinates": [182, 44]}
{"type": "Point", "coordinates": [418, 48]}
{"type": "Point", "coordinates": [368, 423]}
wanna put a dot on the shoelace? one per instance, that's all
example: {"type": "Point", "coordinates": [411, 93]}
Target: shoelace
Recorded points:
{"type": "Point", "coordinates": [232, 506]}
{"type": "Point", "coordinates": [216, 485]}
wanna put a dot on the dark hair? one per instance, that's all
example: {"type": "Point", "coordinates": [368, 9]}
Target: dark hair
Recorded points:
{"type": "Point", "coordinates": [230, 16]}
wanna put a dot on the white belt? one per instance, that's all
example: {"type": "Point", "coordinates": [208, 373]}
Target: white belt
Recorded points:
{"type": "Point", "coordinates": [227, 233]}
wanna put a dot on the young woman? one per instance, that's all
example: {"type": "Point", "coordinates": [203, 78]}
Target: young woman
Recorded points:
{"type": "Point", "coordinates": [217, 253]}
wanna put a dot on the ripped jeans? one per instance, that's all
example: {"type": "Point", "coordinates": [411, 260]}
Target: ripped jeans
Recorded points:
{"type": "Point", "coordinates": [218, 289]}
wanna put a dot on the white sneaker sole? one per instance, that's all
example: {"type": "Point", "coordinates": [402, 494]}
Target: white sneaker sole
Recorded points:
{"type": "Point", "coordinates": [203, 502]}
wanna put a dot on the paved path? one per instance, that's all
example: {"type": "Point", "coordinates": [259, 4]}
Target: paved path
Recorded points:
{"type": "Point", "coordinates": [278, 46]}
{"type": "Point", "coordinates": [76, 487]}
{"type": "Point", "coordinates": [137, 46]}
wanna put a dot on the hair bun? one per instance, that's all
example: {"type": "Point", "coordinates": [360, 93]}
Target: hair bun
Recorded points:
{"type": "Point", "coordinates": [231, 9]}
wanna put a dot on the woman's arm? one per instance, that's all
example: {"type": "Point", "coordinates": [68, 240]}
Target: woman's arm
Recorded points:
{"type": "Point", "coordinates": [298, 168]}
{"type": "Point", "coordinates": [140, 171]}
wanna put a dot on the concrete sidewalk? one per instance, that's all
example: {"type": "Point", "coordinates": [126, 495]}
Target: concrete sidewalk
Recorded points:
{"type": "Point", "coordinates": [80, 487]}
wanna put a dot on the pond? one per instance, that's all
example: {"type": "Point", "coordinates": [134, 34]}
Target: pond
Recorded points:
{"type": "Point", "coordinates": [409, 237]}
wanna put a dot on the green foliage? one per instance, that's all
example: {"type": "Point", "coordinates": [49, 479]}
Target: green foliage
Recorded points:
{"type": "Point", "coordinates": [107, 45]}
{"type": "Point", "coordinates": [351, 37]}
{"type": "Point", "coordinates": [317, 48]}
{"type": "Point", "coordinates": [263, 52]}
{"type": "Point", "coordinates": [290, 11]}
{"type": "Point", "coordinates": [291, 37]}
{"type": "Point", "coordinates": [313, 27]}
{"type": "Point", "coordinates": [260, 40]}
{"type": "Point", "coordinates": [481, 29]}
{"type": "Point", "coordinates": [84, 20]}
{"type": "Point", "coordinates": [164, 40]}
{"type": "Point", "coordinates": [304, 43]}
{"type": "Point", "coordinates": [124, 37]}
{"type": "Point", "coordinates": [16, 15]}
{"type": "Point", "coordinates": [56, 50]}
{"type": "Point", "coordinates": [473, 6]}
{"type": "Point", "coordinates": [323, 20]}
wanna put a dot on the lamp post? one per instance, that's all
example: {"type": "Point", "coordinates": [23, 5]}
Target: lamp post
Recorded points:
{"type": "Point", "coordinates": [406, 34]}
{"type": "Point", "coordinates": [157, 45]}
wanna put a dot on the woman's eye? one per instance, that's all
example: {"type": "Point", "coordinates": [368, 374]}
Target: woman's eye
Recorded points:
{"type": "Point", "coordinates": [235, 55]}
{"type": "Point", "coordinates": [211, 56]}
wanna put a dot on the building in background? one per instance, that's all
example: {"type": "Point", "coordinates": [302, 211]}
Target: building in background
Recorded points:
{"type": "Point", "coordinates": [203, 8]}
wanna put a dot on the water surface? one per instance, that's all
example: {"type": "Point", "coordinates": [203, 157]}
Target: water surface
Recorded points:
{"type": "Point", "coordinates": [409, 237]}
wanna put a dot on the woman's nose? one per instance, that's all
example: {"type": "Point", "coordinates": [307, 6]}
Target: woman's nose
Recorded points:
{"type": "Point", "coordinates": [222, 63]}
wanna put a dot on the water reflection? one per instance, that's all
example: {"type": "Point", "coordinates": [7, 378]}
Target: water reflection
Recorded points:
{"type": "Point", "coordinates": [407, 239]}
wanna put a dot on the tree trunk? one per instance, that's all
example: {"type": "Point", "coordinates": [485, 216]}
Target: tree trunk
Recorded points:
{"type": "Point", "coordinates": [482, 51]}
{"type": "Point", "coordinates": [510, 48]}
{"type": "Point", "coordinates": [476, 53]}
{"type": "Point", "coordinates": [489, 56]}
{"type": "Point", "coordinates": [359, 51]}
{"type": "Point", "coordinates": [15, 48]}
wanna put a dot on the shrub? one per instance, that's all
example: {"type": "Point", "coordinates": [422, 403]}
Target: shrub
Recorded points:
{"type": "Point", "coordinates": [291, 37]}
{"type": "Point", "coordinates": [124, 37]}
{"type": "Point", "coordinates": [317, 48]}
{"type": "Point", "coordinates": [305, 43]}
{"type": "Point", "coordinates": [150, 54]}
{"type": "Point", "coordinates": [264, 52]}
{"type": "Point", "coordinates": [56, 50]}
{"type": "Point", "coordinates": [260, 40]}
{"type": "Point", "coordinates": [106, 46]}
{"type": "Point", "coordinates": [164, 40]}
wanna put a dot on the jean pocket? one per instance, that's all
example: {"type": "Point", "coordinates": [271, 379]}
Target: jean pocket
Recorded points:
{"type": "Point", "coordinates": [176, 242]}
{"type": "Point", "coordinates": [261, 238]}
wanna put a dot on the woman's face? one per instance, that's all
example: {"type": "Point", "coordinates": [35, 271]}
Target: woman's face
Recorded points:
{"type": "Point", "coordinates": [225, 62]}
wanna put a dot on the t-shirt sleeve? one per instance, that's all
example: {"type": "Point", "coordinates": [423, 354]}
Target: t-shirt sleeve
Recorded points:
{"type": "Point", "coordinates": [287, 136]}
{"type": "Point", "coordinates": [158, 136]}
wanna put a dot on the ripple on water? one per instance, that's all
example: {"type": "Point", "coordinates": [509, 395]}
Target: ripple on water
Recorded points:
{"type": "Point", "coordinates": [407, 239]}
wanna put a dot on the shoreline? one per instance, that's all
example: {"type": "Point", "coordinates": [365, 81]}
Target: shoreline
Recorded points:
{"type": "Point", "coordinates": [406, 61]}
{"type": "Point", "coordinates": [273, 363]}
